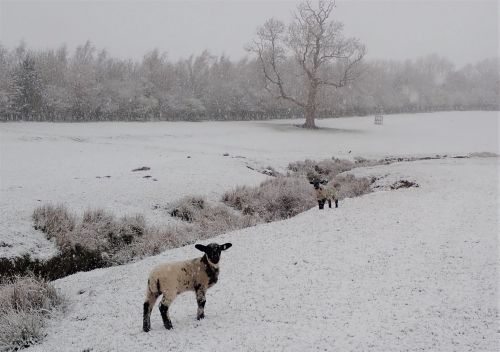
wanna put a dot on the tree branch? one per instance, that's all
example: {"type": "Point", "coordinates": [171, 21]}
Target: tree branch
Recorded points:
{"type": "Point", "coordinates": [270, 34]}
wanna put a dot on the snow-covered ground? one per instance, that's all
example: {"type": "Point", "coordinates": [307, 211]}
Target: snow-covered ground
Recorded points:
{"type": "Point", "coordinates": [69, 163]}
{"type": "Point", "coordinates": [408, 270]}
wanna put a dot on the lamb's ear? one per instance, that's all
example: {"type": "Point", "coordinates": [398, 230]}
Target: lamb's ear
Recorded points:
{"type": "Point", "coordinates": [225, 246]}
{"type": "Point", "coordinates": [311, 182]}
{"type": "Point", "coordinates": [200, 247]}
{"type": "Point", "coordinates": [324, 182]}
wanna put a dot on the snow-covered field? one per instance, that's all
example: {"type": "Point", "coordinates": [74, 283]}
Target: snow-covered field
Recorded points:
{"type": "Point", "coordinates": [52, 163]}
{"type": "Point", "coordinates": [407, 270]}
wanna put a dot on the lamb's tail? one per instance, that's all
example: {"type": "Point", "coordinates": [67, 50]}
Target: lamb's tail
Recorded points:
{"type": "Point", "coordinates": [154, 289]}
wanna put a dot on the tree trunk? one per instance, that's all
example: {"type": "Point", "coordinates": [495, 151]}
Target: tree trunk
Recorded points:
{"type": "Point", "coordinates": [310, 108]}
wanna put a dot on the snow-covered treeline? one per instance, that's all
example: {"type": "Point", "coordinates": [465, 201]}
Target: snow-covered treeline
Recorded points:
{"type": "Point", "coordinates": [89, 85]}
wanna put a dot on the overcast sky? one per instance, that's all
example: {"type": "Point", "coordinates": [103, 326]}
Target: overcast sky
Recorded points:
{"type": "Point", "coordinates": [463, 31]}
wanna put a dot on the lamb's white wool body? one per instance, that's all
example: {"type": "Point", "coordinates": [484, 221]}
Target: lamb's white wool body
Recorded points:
{"type": "Point", "coordinates": [325, 192]}
{"type": "Point", "coordinates": [171, 279]}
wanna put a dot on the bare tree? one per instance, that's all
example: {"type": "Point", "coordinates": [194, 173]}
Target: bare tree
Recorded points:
{"type": "Point", "coordinates": [313, 42]}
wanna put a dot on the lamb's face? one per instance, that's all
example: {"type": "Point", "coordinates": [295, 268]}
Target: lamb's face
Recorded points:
{"type": "Point", "coordinates": [315, 184]}
{"type": "Point", "coordinates": [213, 251]}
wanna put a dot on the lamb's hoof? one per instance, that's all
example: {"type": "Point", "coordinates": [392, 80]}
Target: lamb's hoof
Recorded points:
{"type": "Point", "coordinates": [168, 326]}
{"type": "Point", "coordinates": [146, 327]}
{"type": "Point", "coordinates": [201, 316]}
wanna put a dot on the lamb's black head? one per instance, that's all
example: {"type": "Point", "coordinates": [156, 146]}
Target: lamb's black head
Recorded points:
{"type": "Point", "coordinates": [316, 183]}
{"type": "Point", "coordinates": [213, 250]}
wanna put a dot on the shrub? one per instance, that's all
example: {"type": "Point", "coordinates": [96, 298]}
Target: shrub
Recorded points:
{"type": "Point", "coordinates": [209, 219]}
{"type": "Point", "coordinates": [102, 232]}
{"type": "Point", "coordinates": [349, 186]}
{"type": "Point", "coordinates": [325, 168]}
{"type": "Point", "coordinates": [206, 223]}
{"type": "Point", "coordinates": [131, 227]}
{"type": "Point", "coordinates": [97, 232]}
{"type": "Point", "coordinates": [20, 329]}
{"type": "Point", "coordinates": [274, 199]}
{"type": "Point", "coordinates": [99, 239]}
{"type": "Point", "coordinates": [54, 221]}
{"type": "Point", "coordinates": [218, 219]}
{"type": "Point", "coordinates": [28, 292]}
{"type": "Point", "coordinates": [187, 208]}
{"type": "Point", "coordinates": [25, 304]}
{"type": "Point", "coordinates": [302, 166]}
{"type": "Point", "coordinates": [154, 241]}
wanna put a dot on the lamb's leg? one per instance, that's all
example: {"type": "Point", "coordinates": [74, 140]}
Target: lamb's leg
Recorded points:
{"type": "Point", "coordinates": [329, 203]}
{"type": "Point", "coordinates": [164, 305]}
{"type": "Point", "coordinates": [321, 203]}
{"type": "Point", "coordinates": [336, 203]}
{"type": "Point", "coordinates": [200, 299]}
{"type": "Point", "coordinates": [148, 306]}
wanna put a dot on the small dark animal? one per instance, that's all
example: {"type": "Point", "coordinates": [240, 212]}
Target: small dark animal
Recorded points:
{"type": "Point", "coordinates": [171, 279]}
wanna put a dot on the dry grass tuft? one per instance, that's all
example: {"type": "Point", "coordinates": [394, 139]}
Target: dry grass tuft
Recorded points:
{"type": "Point", "coordinates": [55, 221]}
{"type": "Point", "coordinates": [25, 305]}
{"type": "Point", "coordinates": [274, 199]}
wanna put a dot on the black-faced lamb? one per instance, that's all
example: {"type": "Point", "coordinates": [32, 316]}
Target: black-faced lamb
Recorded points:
{"type": "Point", "coordinates": [324, 193]}
{"type": "Point", "coordinates": [171, 279]}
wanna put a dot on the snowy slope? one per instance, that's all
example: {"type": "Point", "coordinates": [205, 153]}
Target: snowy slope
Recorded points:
{"type": "Point", "coordinates": [407, 270]}
{"type": "Point", "coordinates": [68, 162]}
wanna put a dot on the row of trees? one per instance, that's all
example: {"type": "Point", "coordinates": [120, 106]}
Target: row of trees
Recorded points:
{"type": "Point", "coordinates": [89, 85]}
